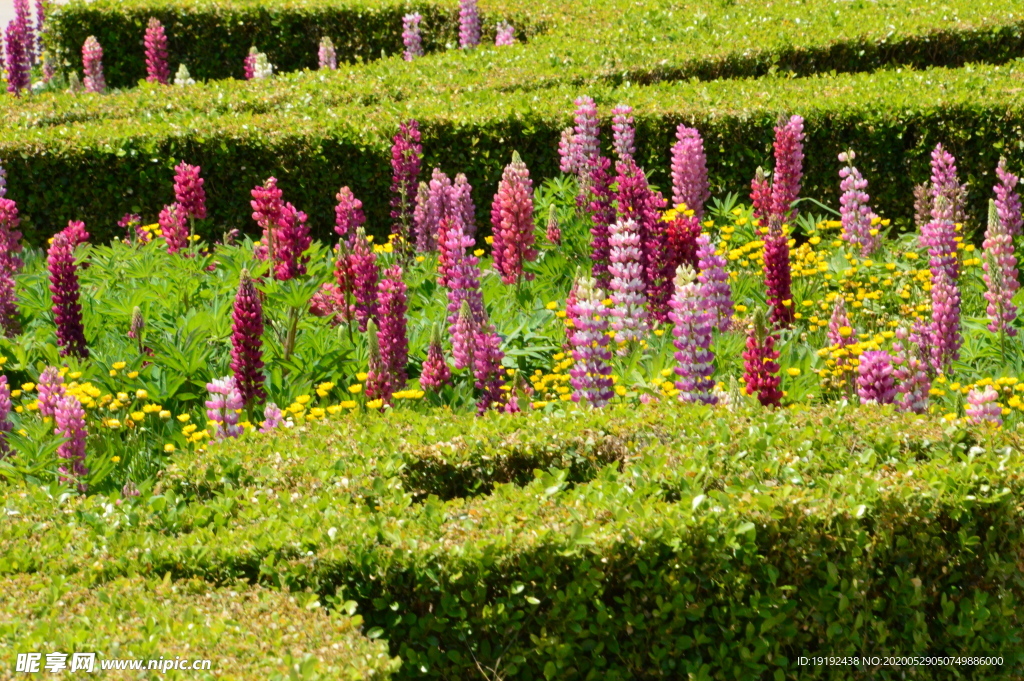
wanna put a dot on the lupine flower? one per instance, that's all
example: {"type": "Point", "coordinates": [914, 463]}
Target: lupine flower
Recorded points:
{"type": "Point", "coordinates": [435, 374]}
{"type": "Point", "coordinates": [247, 342]}
{"type": "Point", "coordinates": [464, 290]}
{"type": "Point", "coordinates": [327, 58]}
{"type": "Point", "coordinates": [67, 312]}
{"type": "Point", "coordinates": [222, 407]}
{"type": "Point", "coordinates": [1000, 276]}
{"type": "Point", "coordinates": [261, 67]}
{"type": "Point", "coordinates": [567, 151]}
{"type": "Point", "coordinates": [462, 203]}
{"type": "Point", "coordinates": [249, 65]}
{"type": "Point", "coordinates": [875, 382]}
{"type": "Point", "coordinates": [760, 363]}
{"type": "Point", "coordinates": [173, 228]}
{"type": "Point", "coordinates": [183, 77]}
{"type": "Point", "coordinates": [939, 236]}
{"type": "Point", "coordinates": [1008, 200]}
{"type": "Point", "coordinates": [92, 64]}
{"type": "Point", "coordinates": [714, 283]}
{"type": "Point", "coordinates": [411, 37]}
{"type": "Point", "coordinates": [22, 17]}
{"type": "Point", "coordinates": [131, 223]}
{"type": "Point", "coordinates": [789, 168]}
{"type": "Point", "coordinates": [157, 70]}
{"type": "Point", "coordinates": [452, 242]}
{"type": "Point", "coordinates": [694, 323]}
{"type": "Point", "coordinates": [628, 290]}
{"type": "Point", "coordinates": [487, 358]}
{"type": "Point", "coordinates": [138, 324]}
{"type": "Point", "coordinates": [761, 196]}
{"type": "Point", "coordinates": [40, 22]}
{"type": "Point", "coordinates": [777, 277]}
{"type": "Point", "coordinates": [983, 406]}
{"type": "Point", "coordinates": [469, 24]}
{"type": "Point", "coordinates": [267, 210]}
{"type": "Point", "coordinates": [602, 214]}
{"type": "Point", "coordinates": [391, 309]}
{"type": "Point", "coordinates": [591, 370]}
{"type": "Point", "coordinates": [17, 62]}
{"type": "Point", "coordinates": [272, 417]}
{"type": "Point", "coordinates": [552, 233]}
{"type": "Point", "coordinates": [330, 301]}
{"type": "Point", "coordinates": [838, 322]}
{"type": "Point", "coordinates": [365, 275]}
{"type": "Point", "coordinates": [75, 232]}
{"type": "Point", "coordinates": [922, 205]}
{"type": "Point", "coordinates": [945, 328]}
{"type": "Point", "coordinates": [505, 35]}
{"type": "Point", "coordinates": [463, 337]}
{"type": "Point", "coordinates": [586, 147]}
{"type": "Point", "coordinates": [69, 419]}
{"type": "Point", "coordinates": [854, 209]}
{"type": "Point", "coordinates": [432, 210]}
{"type": "Point", "coordinates": [406, 152]}
{"type": "Point", "coordinates": [348, 214]}
{"type": "Point", "coordinates": [189, 192]}
{"type": "Point", "coordinates": [50, 388]}
{"type": "Point", "coordinates": [947, 193]}
{"type": "Point", "coordinates": [623, 133]}
{"type": "Point", "coordinates": [512, 221]}
{"type": "Point", "coordinates": [689, 171]}
{"type": "Point", "coordinates": [911, 374]}
{"type": "Point", "coordinates": [636, 201]}
{"type": "Point", "coordinates": [10, 265]}
{"type": "Point", "coordinates": [5, 422]}
{"type": "Point", "coordinates": [681, 234]}
{"type": "Point", "coordinates": [291, 241]}
{"type": "Point", "coordinates": [379, 385]}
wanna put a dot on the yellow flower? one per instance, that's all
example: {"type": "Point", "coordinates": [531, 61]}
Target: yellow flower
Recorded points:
{"type": "Point", "coordinates": [539, 404]}
{"type": "Point", "coordinates": [119, 365]}
{"type": "Point", "coordinates": [189, 429]}
{"type": "Point", "coordinates": [302, 399]}
{"type": "Point", "coordinates": [115, 459]}
{"type": "Point", "coordinates": [620, 390]}
{"type": "Point", "coordinates": [478, 252]}
{"type": "Point", "coordinates": [184, 418]}
{"type": "Point", "coordinates": [845, 331]}
{"type": "Point", "coordinates": [169, 448]}
{"type": "Point", "coordinates": [333, 409]}
{"type": "Point", "coordinates": [133, 374]}
{"type": "Point", "coordinates": [138, 415]}
{"type": "Point", "coordinates": [375, 404]}
{"type": "Point", "coordinates": [164, 414]}
{"type": "Point", "coordinates": [150, 408]}
{"type": "Point", "coordinates": [552, 305]}
{"type": "Point", "coordinates": [355, 389]}
{"type": "Point", "coordinates": [420, 258]}
{"type": "Point", "coordinates": [489, 240]}
{"type": "Point", "coordinates": [122, 397]}
{"type": "Point", "coordinates": [141, 394]}
{"type": "Point", "coordinates": [361, 376]}
{"type": "Point", "coordinates": [113, 423]}
{"type": "Point", "coordinates": [793, 371]}
{"type": "Point", "coordinates": [28, 387]}
{"type": "Point", "coordinates": [112, 373]}
{"type": "Point", "coordinates": [75, 375]}
{"type": "Point", "coordinates": [659, 332]}
{"type": "Point", "coordinates": [348, 404]}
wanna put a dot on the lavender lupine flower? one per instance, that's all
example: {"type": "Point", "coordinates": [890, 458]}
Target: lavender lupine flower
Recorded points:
{"type": "Point", "coordinates": [379, 385]}
{"type": "Point", "coordinates": [760, 363]}
{"type": "Point", "coordinates": [69, 419]}
{"type": "Point", "coordinates": [875, 383]}
{"type": "Point", "coordinates": [348, 214]}
{"type": "Point", "coordinates": [637, 201]}
{"type": "Point", "coordinates": [689, 171]}
{"type": "Point", "coordinates": [10, 265]}
{"type": "Point", "coordinates": [628, 290]}
{"type": "Point", "coordinates": [505, 35]}
{"type": "Point", "coordinates": [189, 192]}
{"type": "Point", "coordinates": [947, 192]}
{"type": "Point", "coordinates": [911, 373]}
{"type": "Point", "coordinates": [983, 407]}
{"type": "Point", "coordinates": [469, 24]}
{"type": "Point", "coordinates": [411, 37]}
{"type": "Point", "coordinates": [5, 422]}
{"type": "Point", "coordinates": [327, 57]}
{"type": "Point", "coordinates": [247, 342]}
{"type": "Point", "coordinates": [435, 374]}
{"type": "Point", "coordinates": [694, 323]}
{"type": "Point", "coordinates": [272, 417]}
{"type": "Point", "coordinates": [777, 276]}
{"type": "Point", "coordinates": [92, 65]}
{"type": "Point", "coordinates": [173, 228]}
{"type": "Point", "coordinates": [67, 312]}
{"type": "Point", "coordinates": [1008, 200]}
{"type": "Point", "coordinates": [406, 152]}
{"type": "Point", "coordinates": [591, 371]}
{"type": "Point", "coordinates": [623, 132]}
{"type": "Point", "coordinates": [789, 168]}
{"type": "Point", "coordinates": [222, 407]}
{"type": "Point", "coordinates": [945, 327]}
{"type": "Point", "coordinates": [365, 275]}
{"type": "Point", "coordinates": [1000, 276]}
{"type": "Point", "coordinates": [17, 64]}
{"type": "Point", "coordinates": [391, 309]}
{"type": "Point", "coordinates": [157, 70]}
{"type": "Point", "coordinates": [50, 388]}
{"type": "Point", "coordinates": [761, 196]}
{"type": "Point", "coordinates": [602, 214]}
{"type": "Point", "coordinates": [512, 221]}
{"type": "Point", "coordinates": [854, 209]}
{"type": "Point", "coordinates": [714, 280]}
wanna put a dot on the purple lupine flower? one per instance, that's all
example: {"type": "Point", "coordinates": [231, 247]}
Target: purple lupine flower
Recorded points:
{"type": "Point", "coordinates": [628, 290]}
{"type": "Point", "coordinates": [1008, 200]}
{"type": "Point", "coordinates": [512, 221]}
{"type": "Point", "coordinates": [623, 132]}
{"type": "Point", "coordinates": [10, 265]}
{"type": "Point", "coordinates": [854, 209]}
{"type": "Point", "coordinates": [391, 309]}
{"type": "Point", "coordinates": [69, 420]}
{"type": "Point", "coordinates": [591, 372]}
{"type": "Point", "coordinates": [714, 280]}
{"type": "Point", "coordinates": [777, 275]}
{"type": "Point", "coordinates": [189, 192]}
{"type": "Point", "coordinates": [1000, 276]}
{"type": "Point", "coordinates": [761, 196]}
{"type": "Point", "coordinates": [760, 363]}
{"type": "Point", "coordinates": [67, 312]}
{"type": "Point", "coordinates": [463, 337]}
{"type": "Point", "coordinates": [92, 65]}
{"type": "Point", "coordinates": [689, 171]}
{"type": "Point", "coordinates": [983, 407]}
{"type": "Point", "coordinates": [272, 417]}
{"type": "Point", "coordinates": [875, 383]}
{"type": "Point", "coordinates": [327, 58]}
{"type": "Point", "coordinates": [365, 275]}
{"type": "Point", "coordinates": [945, 327]}
{"type": "Point", "coordinates": [505, 35]}
{"type": "Point", "coordinates": [939, 236]}
{"type": "Point", "coordinates": [636, 201]}
{"type": "Point", "coordinates": [5, 422]}
{"type": "Point", "coordinates": [247, 342]}
{"type": "Point", "coordinates": [462, 203]}
{"type": "Point", "coordinates": [431, 209]}
{"type": "Point", "coordinates": [222, 407]}
{"type": "Point", "coordinates": [406, 152]}
{"type": "Point", "coordinates": [348, 214]}
{"type": "Point", "coordinates": [291, 241]}
{"type": "Point", "coordinates": [947, 192]}
{"type": "Point", "coordinates": [552, 232]}
{"type": "Point", "coordinates": [22, 16]}
{"type": "Point", "coordinates": [789, 168]}
{"type": "Point", "coordinates": [411, 37]}
{"type": "Point", "coordinates": [17, 64]}
{"type": "Point", "coordinates": [469, 24]}
{"type": "Point", "coordinates": [694, 322]}
{"type": "Point", "coordinates": [911, 373]}
{"type": "Point", "coordinates": [379, 385]}
{"type": "Point", "coordinates": [602, 214]}
{"type": "Point", "coordinates": [173, 228]}
{"type": "Point", "coordinates": [40, 23]}
{"type": "Point", "coordinates": [487, 358]}
{"type": "Point", "coordinates": [157, 70]}
{"type": "Point", "coordinates": [50, 388]}
{"type": "Point", "coordinates": [435, 374]}
{"type": "Point", "coordinates": [452, 242]}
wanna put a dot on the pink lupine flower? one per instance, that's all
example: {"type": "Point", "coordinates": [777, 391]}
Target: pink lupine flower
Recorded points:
{"type": "Point", "coordinates": [391, 310]}
{"type": "Point", "coordinates": [591, 372]}
{"type": "Point", "coordinates": [69, 419]}
{"type": "Point", "coordinates": [567, 151]}
{"type": "Point", "coordinates": [10, 265]}
{"type": "Point", "coordinates": [837, 322]}
{"type": "Point", "coordinates": [462, 203]}
{"type": "Point", "coordinates": [714, 284]}
{"type": "Point", "coordinates": [911, 373]}
{"type": "Point", "coordinates": [922, 205]}
{"type": "Point", "coordinates": [856, 214]}
{"type": "Point", "coordinates": [272, 418]}
{"type": "Point", "coordinates": [586, 147]}
{"type": "Point", "coordinates": [189, 192]}
{"type": "Point", "coordinates": [1008, 200]}
{"type": "Point", "coordinates": [379, 385]}
{"type": "Point", "coordinates": [464, 291]}
{"type": "Point", "coordinates": [760, 363]}
{"type": "Point", "coordinates": [512, 220]}
{"type": "Point", "coordinates": [623, 132]}
{"type": "Point", "coordinates": [628, 291]}
{"type": "Point", "coordinates": [689, 171]}
{"type": "Point", "coordinates": [327, 58]}
{"type": "Point", "coordinates": [348, 214]}
{"type": "Point", "coordinates": [247, 342]}
{"type": "Point", "coordinates": [777, 277]}
{"type": "Point", "coordinates": [761, 196]}
{"type": "Point", "coordinates": [431, 209]}
{"type": "Point", "coordinates": [947, 192]}
{"type": "Point", "coordinates": [267, 210]}
{"type": "Point", "coordinates": [75, 232]}
{"type": "Point", "coordinates": [553, 233]}
{"type": "Point", "coordinates": [875, 383]}
{"type": "Point", "coordinates": [463, 337]}
{"type": "Point", "coordinates": [365, 275]}
{"type": "Point", "coordinates": [487, 357]}
{"type": "Point", "coordinates": [435, 374]}
{"type": "Point", "coordinates": [452, 243]}
{"type": "Point", "coordinates": [637, 201]}
{"type": "Point", "coordinates": [67, 312]}
{"type": "Point", "coordinates": [983, 407]}
{"type": "Point", "coordinates": [249, 64]}
{"type": "Point", "coordinates": [694, 323]}
{"type": "Point", "coordinates": [469, 24]}
{"type": "Point", "coordinates": [157, 70]}
{"type": "Point", "coordinates": [1000, 276]}
{"type": "Point", "coordinates": [505, 34]}
{"type": "Point", "coordinates": [51, 389]}
{"type": "Point", "coordinates": [173, 228]}
{"type": "Point", "coordinates": [411, 37]}
{"type": "Point", "coordinates": [5, 422]}
{"type": "Point", "coordinates": [939, 236]}
{"type": "Point", "coordinates": [406, 152]}
{"type": "Point", "coordinates": [945, 327]}
{"type": "Point", "coordinates": [92, 64]}
{"type": "Point", "coordinates": [789, 168]}
{"type": "Point", "coordinates": [222, 407]}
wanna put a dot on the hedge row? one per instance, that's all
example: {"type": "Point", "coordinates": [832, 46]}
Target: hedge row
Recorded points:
{"type": "Point", "coordinates": [102, 168]}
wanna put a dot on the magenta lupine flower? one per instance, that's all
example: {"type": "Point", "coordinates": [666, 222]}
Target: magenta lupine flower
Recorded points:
{"type": "Point", "coordinates": [487, 371]}
{"type": "Point", "coordinates": [945, 327]}
{"type": "Point", "coordinates": [854, 209]}
{"type": "Point", "coordinates": [636, 201]}
{"type": "Point", "coordinates": [761, 197]}
{"type": "Point", "coordinates": [267, 210]}
{"type": "Point", "coordinates": [1000, 276]}
{"type": "Point", "coordinates": [591, 372]}
{"type": "Point", "coordinates": [157, 70]}
{"type": "Point", "coordinates": [222, 407]}
{"type": "Point", "coordinates": [249, 64]}
{"type": "Point", "coordinates": [789, 168]}
{"type": "Point", "coordinates": [291, 241]}
{"type": "Point", "coordinates": [512, 221]}
{"type": "Point", "coordinates": [469, 24]}
{"type": "Point", "coordinates": [5, 422]}
{"type": "Point", "coordinates": [272, 417]}
{"type": "Point", "coordinates": [690, 171]}
{"type": "Point", "coordinates": [946, 190]}
{"type": "Point", "coordinates": [432, 210]}
{"type": "Point", "coordinates": [75, 232]}
{"type": "Point", "coordinates": [911, 373]}
{"type": "Point", "coordinates": [348, 214]}
{"type": "Point", "coordinates": [623, 132]}
{"type": "Point", "coordinates": [17, 64]}
{"type": "Point", "coordinates": [92, 65]}
{"type": "Point", "coordinates": [69, 419]}
{"type": "Point", "coordinates": [10, 265]}
{"type": "Point", "coordinates": [435, 374]}
{"type": "Point", "coordinates": [425, 241]}
{"type": "Point", "coordinates": [552, 232]}
{"type": "Point", "coordinates": [189, 192]}
{"type": "Point", "coordinates": [379, 385]}
{"type": "Point", "coordinates": [694, 322]}
{"type": "Point", "coordinates": [875, 383]}
{"type": "Point", "coordinates": [628, 290]}
{"type": "Point", "coordinates": [391, 309]}
{"type": "Point", "coordinates": [983, 406]}
{"type": "Point", "coordinates": [464, 291]}
{"type": "Point", "coordinates": [714, 280]}
{"type": "Point", "coordinates": [247, 342]}
{"type": "Point", "coordinates": [777, 276]}
{"type": "Point", "coordinates": [452, 243]}
{"type": "Point", "coordinates": [1008, 200]}
{"type": "Point", "coordinates": [327, 58]}
{"type": "Point", "coordinates": [365, 275]}
{"type": "Point", "coordinates": [760, 363]}
{"type": "Point", "coordinates": [50, 388]}
{"type": "Point", "coordinates": [406, 152]}
{"type": "Point", "coordinates": [505, 35]}
{"type": "Point", "coordinates": [602, 214]}
{"type": "Point", "coordinates": [463, 337]}
{"type": "Point", "coordinates": [411, 37]}
{"type": "Point", "coordinates": [67, 312]}
{"type": "Point", "coordinates": [173, 228]}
